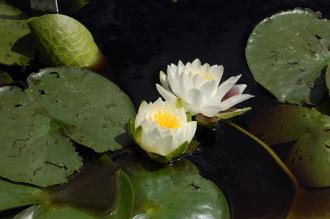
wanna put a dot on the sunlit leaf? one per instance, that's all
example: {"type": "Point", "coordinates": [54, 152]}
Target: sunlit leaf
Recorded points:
{"type": "Point", "coordinates": [32, 148]}
{"type": "Point", "coordinates": [93, 111]}
{"type": "Point", "coordinates": [62, 40]}
{"type": "Point", "coordinates": [15, 195]}
{"type": "Point", "coordinates": [175, 191]}
{"type": "Point", "coordinates": [287, 53]}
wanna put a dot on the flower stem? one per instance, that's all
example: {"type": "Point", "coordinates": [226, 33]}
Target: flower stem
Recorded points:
{"type": "Point", "coordinates": [270, 151]}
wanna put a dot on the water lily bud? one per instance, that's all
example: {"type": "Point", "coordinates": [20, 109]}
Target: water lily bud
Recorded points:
{"type": "Point", "coordinates": [162, 130]}
{"type": "Point", "coordinates": [199, 90]}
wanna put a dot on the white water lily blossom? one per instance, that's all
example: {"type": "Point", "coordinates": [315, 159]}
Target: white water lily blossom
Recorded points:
{"type": "Point", "coordinates": [162, 130]}
{"type": "Point", "coordinates": [199, 90]}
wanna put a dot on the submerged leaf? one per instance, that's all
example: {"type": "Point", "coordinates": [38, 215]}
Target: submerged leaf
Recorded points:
{"type": "Point", "coordinates": [311, 204]}
{"type": "Point", "coordinates": [14, 195]}
{"type": "Point", "coordinates": [176, 191]}
{"type": "Point", "coordinates": [287, 53]}
{"type": "Point", "coordinates": [309, 157]}
{"type": "Point", "coordinates": [10, 12]}
{"type": "Point", "coordinates": [32, 149]}
{"type": "Point", "coordinates": [92, 110]}
{"type": "Point", "coordinates": [63, 206]}
{"type": "Point", "coordinates": [62, 40]}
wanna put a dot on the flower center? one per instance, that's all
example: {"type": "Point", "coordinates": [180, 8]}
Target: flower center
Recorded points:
{"type": "Point", "coordinates": [205, 75]}
{"type": "Point", "coordinates": [166, 120]}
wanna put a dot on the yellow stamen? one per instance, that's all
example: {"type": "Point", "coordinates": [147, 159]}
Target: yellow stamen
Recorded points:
{"type": "Point", "coordinates": [205, 75]}
{"type": "Point", "coordinates": [166, 119]}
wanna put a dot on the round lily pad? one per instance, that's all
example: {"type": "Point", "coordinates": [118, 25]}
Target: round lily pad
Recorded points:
{"type": "Point", "coordinates": [92, 110]}
{"type": "Point", "coordinates": [175, 191]}
{"type": "Point", "coordinates": [62, 40]}
{"type": "Point", "coordinates": [287, 54]}
{"type": "Point", "coordinates": [32, 148]}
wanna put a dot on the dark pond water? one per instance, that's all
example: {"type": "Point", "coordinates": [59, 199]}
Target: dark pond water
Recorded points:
{"type": "Point", "coordinates": [140, 38]}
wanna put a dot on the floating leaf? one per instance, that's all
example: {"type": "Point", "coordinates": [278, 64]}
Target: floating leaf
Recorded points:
{"type": "Point", "coordinates": [120, 188]}
{"type": "Point", "coordinates": [176, 191]}
{"type": "Point", "coordinates": [32, 149]}
{"type": "Point", "coordinates": [93, 111]}
{"type": "Point", "coordinates": [311, 204]}
{"type": "Point", "coordinates": [62, 40]}
{"type": "Point", "coordinates": [309, 157]}
{"type": "Point", "coordinates": [15, 195]}
{"type": "Point", "coordinates": [287, 53]}
{"type": "Point", "coordinates": [16, 45]}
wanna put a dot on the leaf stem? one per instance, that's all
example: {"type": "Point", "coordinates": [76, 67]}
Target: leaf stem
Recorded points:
{"type": "Point", "coordinates": [270, 151]}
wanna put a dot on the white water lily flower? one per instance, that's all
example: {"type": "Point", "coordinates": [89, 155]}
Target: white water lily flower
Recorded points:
{"type": "Point", "coordinates": [199, 90]}
{"type": "Point", "coordinates": [162, 130]}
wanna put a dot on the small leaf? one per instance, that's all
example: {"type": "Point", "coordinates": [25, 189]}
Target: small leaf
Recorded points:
{"type": "Point", "coordinates": [92, 110]}
{"type": "Point", "coordinates": [175, 191]}
{"type": "Point", "coordinates": [10, 12]}
{"type": "Point", "coordinates": [14, 195]}
{"type": "Point", "coordinates": [5, 78]}
{"type": "Point", "coordinates": [32, 149]}
{"type": "Point", "coordinates": [287, 53]}
{"type": "Point", "coordinates": [62, 40]}
{"type": "Point", "coordinates": [232, 113]}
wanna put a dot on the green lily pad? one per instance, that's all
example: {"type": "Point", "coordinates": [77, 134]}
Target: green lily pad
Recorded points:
{"type": "Point", "coordinates": [14, 195]}
{"type": "Point", "coordinates": [175, 191]}
{"type": "Point", "coordinates": [5, 77]}
{"type": "Point", "coordinates": [16, 45]}
{"type": "Point", "coordinates": [287, 53]}
{"type": "Point", "coordinates": [310, 155]}
{"type": "Point", "coordinates": [63, 206]}
{"type": "Point", "coordinates": [92, 110]}
{"type": "Point", "coordinates": [311, 204]}
{"type": "Point", "coordinates": [62, 40]}
{"type": "Point", "coordinates": [32, 148]}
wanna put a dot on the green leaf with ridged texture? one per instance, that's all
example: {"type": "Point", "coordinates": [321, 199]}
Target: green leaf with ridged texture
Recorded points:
{"type": "Point", "coordinates": [14, 195]}
{"type": "Point", "coordinates": [311, 204]}
{"type": "Point", "coordinates": [62, 40]}
{"type": "Point", "coordinates": [176, 191]}
{"type": "Point", "coordinates": [16, 45]}
{"type": "Point", "coordinates": [5, 78]}
{"type": "Point", "coordinates": [309, 157]}
{"type": "Point", "coordinates": [92, 110]}
{"type": "Point", "coordinates": [287, 53]}
{"type": "Point", "coordinates": [32, 148]}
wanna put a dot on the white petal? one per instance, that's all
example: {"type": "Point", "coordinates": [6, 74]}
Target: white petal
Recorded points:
{"type": "Point", "coordinates": [166, 94]}
{"type": "Point", "coordinates": [141, 113]}
{"type": "Point", "coordinates": [230, 102]}
{"type": "Point", "coordinates": [190, 130]}
{"type": "Point", "coordinates": [209, 88]}
{"type": "Point", "coordinates": [226, 86]}
{"type": "Point", "coordinates": [181, 66]}
{"type": "Point", "coordinates": [195, 97]}
{"type": "Point", "coordinates": [235, 90]}
{"type": "Point", "coordinates": [210, 110]}
{"type": "Point", "coordinates": [164, 146]}
{"type": "Point", "coordinates": [163, 80]}
{"type": "Point", "coordinates": [216, 71]}
{"type": "Point", "coordinates": [196, 64]}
